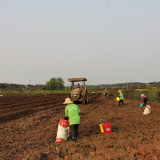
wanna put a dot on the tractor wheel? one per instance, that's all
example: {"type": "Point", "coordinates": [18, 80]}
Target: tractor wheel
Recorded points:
{"type": "Point", "coordinates": [84, 101]}
{"type": "Point", "coordinates": [87, 100]}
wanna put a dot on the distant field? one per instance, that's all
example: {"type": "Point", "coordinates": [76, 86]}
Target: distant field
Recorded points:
{"type": "Point", "coordinates": [153, 93]}
{"type": "Point", "coordinates": [21, 92]}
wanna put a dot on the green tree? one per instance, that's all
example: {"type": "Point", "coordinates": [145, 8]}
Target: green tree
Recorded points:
{"type": "Point", "coordinates": [3, 85]}
{"type": "Point", "coordinates": [54, 84]}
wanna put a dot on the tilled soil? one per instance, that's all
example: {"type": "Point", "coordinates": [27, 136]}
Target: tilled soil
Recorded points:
{"type": "Point", "coordinates": [28, 129]}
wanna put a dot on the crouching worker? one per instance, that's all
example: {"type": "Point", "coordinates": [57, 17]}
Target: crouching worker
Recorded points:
{"type": "Point", "coordinates": [121, 97]}
{"type": "Point", "coordinates": [72, 112]}
{"type": "Point", "coordinates": [144, 99]}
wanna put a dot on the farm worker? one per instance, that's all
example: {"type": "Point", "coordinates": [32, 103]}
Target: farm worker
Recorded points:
{"type": "Point", "coordinates": [72, 112]}
{"type": "Point", "coordinates": [78, 86]}
{"type": "Point", "coordinates": [105, 93]}
{"type": "Point", "coordinates": [121, 97]}
{"type": "Point", "coordinates": [144, 99]}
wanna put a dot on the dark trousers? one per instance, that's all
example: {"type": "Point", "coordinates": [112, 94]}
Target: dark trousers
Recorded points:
{"type": "Point", "coordinates": [145, 101]}
{"type": "Point", "coordinates": [121, 101]}
{"type": "Point", "coordinates": [105, 95]}
{"type": "Point", "coordinates": [73, 130]}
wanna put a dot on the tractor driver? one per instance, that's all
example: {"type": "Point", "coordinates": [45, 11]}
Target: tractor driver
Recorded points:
{"type": "Point", "coordinates": [78, 85]}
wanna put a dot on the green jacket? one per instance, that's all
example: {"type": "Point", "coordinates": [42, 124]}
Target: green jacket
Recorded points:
{"type": "Point", "coordinates": [121, 96]}
{"type": "Point", "coordinates": [72, 111]}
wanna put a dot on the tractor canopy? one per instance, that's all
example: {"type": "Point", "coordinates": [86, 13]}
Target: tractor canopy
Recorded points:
{"type": "Point", "coordinates": [77, 79]}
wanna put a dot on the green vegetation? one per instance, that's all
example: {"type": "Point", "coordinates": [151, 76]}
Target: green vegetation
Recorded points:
{"type": "Point", "coordinates": [152, 94]}
{"type": "Point", "coordinates": [54, 84]}
{"type": "Point", "coordinates": [31, 92]}
{"type": "Point", "coordinates": [19, 86]}
{"type": "Point", "coordinates": [142, 138]}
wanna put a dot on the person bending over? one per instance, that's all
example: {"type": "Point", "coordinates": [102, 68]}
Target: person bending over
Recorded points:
{"type": "Point", "coordinates": [144, 99]}
{"type": "Point", "coordinates": [72, 112]}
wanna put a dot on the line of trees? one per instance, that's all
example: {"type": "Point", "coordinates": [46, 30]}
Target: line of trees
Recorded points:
{"type": "Point", "coordinates": [58, 84]}
{"type": "Point", "coordinates": [20, 86]}
{"type": "Point", "coordinates": [11, 86]}
{"type": "Point", "coordinates": [52, 84]}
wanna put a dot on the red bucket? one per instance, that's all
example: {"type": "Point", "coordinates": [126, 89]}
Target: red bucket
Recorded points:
{"type": "Point", "coordinates": [107, 127]}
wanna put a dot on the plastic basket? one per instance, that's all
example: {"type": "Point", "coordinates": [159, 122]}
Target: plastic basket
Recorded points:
{"type": "Point", "coordinates": [141, 104]}
{"type": "Point", "coordinates": [117, 98]}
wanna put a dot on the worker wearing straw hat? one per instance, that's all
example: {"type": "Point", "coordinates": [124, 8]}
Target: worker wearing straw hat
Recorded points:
{"type": "Point", "coordinates": [72, 112]}
{"type": "Point", "coordinates": [121, 97]}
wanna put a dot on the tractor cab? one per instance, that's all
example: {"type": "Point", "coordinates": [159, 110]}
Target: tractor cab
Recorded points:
{"type": "Point", "coordinates": [79, 92]}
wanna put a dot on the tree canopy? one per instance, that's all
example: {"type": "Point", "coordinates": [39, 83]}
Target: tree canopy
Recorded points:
{"type": "Point", "coordinates": [54, 84]}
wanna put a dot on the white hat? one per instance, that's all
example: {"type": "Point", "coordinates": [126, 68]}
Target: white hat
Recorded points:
{"type": "Point", "coordinates": [67, 101]}
{"type": "Point", "coordinates": [142, 95]}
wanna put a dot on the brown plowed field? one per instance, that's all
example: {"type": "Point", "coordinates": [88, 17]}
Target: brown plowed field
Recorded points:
{"type": "Point", "coordinates": [28, 128]}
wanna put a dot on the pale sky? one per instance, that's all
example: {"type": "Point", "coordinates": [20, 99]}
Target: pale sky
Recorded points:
{"type": "Point", "coordinates": [105, 41]}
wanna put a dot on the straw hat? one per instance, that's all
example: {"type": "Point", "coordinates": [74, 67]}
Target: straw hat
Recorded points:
{"type": "Point", "coordinates": [67, 101]}
{"type": "Point", "coordinates": [119, 91]}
